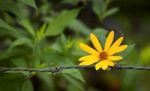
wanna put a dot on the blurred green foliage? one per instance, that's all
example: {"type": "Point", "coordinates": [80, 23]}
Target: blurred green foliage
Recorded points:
{"type": "Point", "coordinates": [46, 33]}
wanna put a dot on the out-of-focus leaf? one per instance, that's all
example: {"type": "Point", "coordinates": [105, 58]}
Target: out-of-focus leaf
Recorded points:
{"type": "Point", "coordinates": [11, 7]}
{"type": "Point", "coordinates": [41, 32]}
{"type": "Point", "coordinates": [10, 81]}
{"type": "Point", "coordinates": [27, 86]}
{"type": "Point", "coordinates": [29, 2]}
{"type": "Point", "coordinates": [68, 1]}
{"type": "Point", "coordinates": [20, 62]}
{"type": "Point", "coordinates": [28, 26]}
{"type": "Point", "coordinates": [74, 81]}
{"type": "Point", "coordinates": [74, 73]}
{"type": "Point", "coordinates": [15, 52]}
{"type": "Point", "coordinates": [98, 7]}
{"type": "Point", "coordinates": [78, 26]}
{"type": "Point", "coordinates": [144, 55]}
{"type": "Point", "coordinates": [56, 47]}
{"type": "Point", "coordinates": [101, 35]}
{"type": "Point", "coordinates": [4, 25]}
{"type": "Point", "coordinates": [21, 41]}
{"type": "Point", "coordinates": [48, 82]}
{"type": "Point", "coordinates": [60, 44]}
{"type": "Point", "coordinates": [111, 11]}
{"type": "Point", "coordinates": [62, 21]}
{"type": "Point", "coordinates": [127, 51]}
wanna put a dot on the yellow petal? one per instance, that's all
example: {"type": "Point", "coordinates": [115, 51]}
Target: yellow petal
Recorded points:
{"type": "Point", "coordinates": [90, 61]}
{"type": "Point", "coordinates": [87, 49]}
{"type": "Point", "coordinates": [109, 41]}
{"type": "Point", "coordinates": [102, 64]}
{"type": "Point", "coordinates": [110, 63]}
{"type": "Point", "coordinates": [116, 44]}
{"type": "Point", "coordinates": [88, 57]}
{"type": "Point", "coordinates": [95, 42]}
{"type": "Point", "coordinates": [114, 58]}
{"type": "Point", "coordinates": [118, 49]}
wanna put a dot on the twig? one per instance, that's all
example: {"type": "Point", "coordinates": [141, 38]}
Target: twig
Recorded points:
{"type": "Point", "coordinates": [60, 68]}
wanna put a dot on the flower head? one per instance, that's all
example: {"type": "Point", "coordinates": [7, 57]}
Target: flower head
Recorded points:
{"type": "Point", "coordinates": [102, 57]}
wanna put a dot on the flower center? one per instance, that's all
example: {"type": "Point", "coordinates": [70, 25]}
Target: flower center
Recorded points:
{"type": "Point", "coordinates": [103, 56]}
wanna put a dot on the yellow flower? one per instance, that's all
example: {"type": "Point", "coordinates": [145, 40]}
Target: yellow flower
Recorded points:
{"type": "Point", "coordinates": [103, 57]}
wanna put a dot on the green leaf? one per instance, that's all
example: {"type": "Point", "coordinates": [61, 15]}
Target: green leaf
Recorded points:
{"type": "Point", "coordinates": [98, 7]}
{"type": "Point", "coordinates": [74, 73]}
{"type": "Point", "coordinates": [41, 32]}
{"type": "Point", "coordinates": [56, 47]}
{"type": "Point", "coordinates": [61, 22]}
{"type": "Point", "coordinates": [101, 35]}
{"type": "Point", "coordinates": [111, 11]}
{"type": "Point", "coordinates": [48, 82]}
{"type": "Point", "coordinates": [74, 81]}
{"type": "Point", "coordinates": [21, 41]}
{"type": "Point", "coordinates": [27, 86]}
{"type": "Point", "coordinates": [11, 82]}
{"type": "Point", "coordinates": [127, 51]}
{"type": "Point", "coordinates": [19, 62]}
{"type": "Point", "coordinates": [144, 55]}
{"type": "Point", "coordinates": [4, 25]}
{"type": "Point", "coordinates": [80, 27]}
{"type": "Point", "coordinates": [28, 26]}
{"type": "Point", "coordinates": [10, 6]}
{"type": "Point", "coordinates": [29, 2]}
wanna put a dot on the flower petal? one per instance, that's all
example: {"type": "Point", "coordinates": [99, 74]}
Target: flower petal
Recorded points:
{"type": "Point", "coordinates": [116, 44]}
{"type": "Point", "coordinates": [89, 61]}
{"type": "Point", "coordinates": [109, 41]}
{"type": "Point", "coordinates": [110, 63]}
{"type": "Point", "coordinates": [102, 64]}
{"type": "Point", "coordinates": [118, 49]}
{"type": "Point", "coordinates": [95, 42]}
{"type": "Point", "coordinates": [114, 58]}
{"type": "Point", "coordinates": [88, 57]}
{"type": "Point", "coordinates": [87, 49]}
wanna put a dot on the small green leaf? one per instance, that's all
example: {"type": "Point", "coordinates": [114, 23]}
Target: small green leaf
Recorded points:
{"type": "Point", "coordinates": [27, 86]}
{"type": "Point", "coordinates": [74, 81]}
{"type": "Point", "coordinates": [10, 6]}
{"type": "Point", "coordinates": [80, 27]}
{"type": "Point", "coordinates": [111, 11]}
{"type": "Point", "coordinates": [127, 51]}
{"type": "Point", "coordinates": [61, 22]}
{"type": "Point", "coordinates": [41, 32]}
{"type": "Point", "coordinates": [19, 62]}
{"type": "Point", "coordinates": [144, 55]}
{"type": "Point", "coordinates": [98, 7]}
{"type": "Point", "coordinates": [47, 80]}
{"type": "Point", "coordinates": [101, 35]}
{"type": "Point", "coordinates": [28, 26]}
{"type": "Point", "coordinates": [56, 47]}
{"type": "Point", "coordinates": [4, 25]}
{"type": "Point", "coordinates": [29, 2]}
{"type": "Point", "coordinates": [11, 82]}
{"type": "Point", "coordinates": [21, 41]}
{"type": "Point", "coordinates": [74, 73]}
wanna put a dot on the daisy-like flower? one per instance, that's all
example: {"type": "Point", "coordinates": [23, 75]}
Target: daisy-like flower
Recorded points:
{"type": "Point", "coordinates": [102, 57]}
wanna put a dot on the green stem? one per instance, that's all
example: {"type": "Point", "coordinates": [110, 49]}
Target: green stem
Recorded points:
{"type": "Point", "coordinates": [36, 53]}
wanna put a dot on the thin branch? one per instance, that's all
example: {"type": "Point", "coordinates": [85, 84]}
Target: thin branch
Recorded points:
{"type": "Point", "coordinates": [60, 68]}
